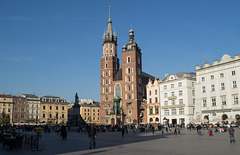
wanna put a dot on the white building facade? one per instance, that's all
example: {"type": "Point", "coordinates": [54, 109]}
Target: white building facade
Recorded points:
{"type": "Point", "coordinates": [217, 89]}
{"type": "Point", "coordinates": [153, 102]}
{"type": "Point", "coordinates": [177, 98]}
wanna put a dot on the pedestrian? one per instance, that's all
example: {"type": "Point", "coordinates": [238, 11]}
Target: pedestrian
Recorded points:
{"type": "Point", "coordinates": [123, 131]}
{"type": "Point", "coordinates": [134, 129]}
{"type": "Point", "coordinates": [178, 129]}
{"type": "Point", "coordinates": [231, 134]}
{"type": "Point", "coordinates": [126, 128]}
{"type": "Point", "coordinates": [92, 134]}
{"type": "Point", "coordinates": [175, 129]}
{"type": "Point", "coordinates": [63, 132]}
{"type": "Point", "coordinates": [153, 129]}
{"type": "Point", "coordinates": [199, 130]}
{"type": "Point", "coordinates": [166, 128]}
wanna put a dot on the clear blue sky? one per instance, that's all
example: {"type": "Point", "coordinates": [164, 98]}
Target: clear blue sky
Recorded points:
{"type": "Point", "coordinates": [53, 47]}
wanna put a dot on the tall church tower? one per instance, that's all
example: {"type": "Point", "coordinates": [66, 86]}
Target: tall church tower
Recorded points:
{"type": "Point", "coordinates": [109, 69]}
{"type": "Point", "coordinates": [132, 79]}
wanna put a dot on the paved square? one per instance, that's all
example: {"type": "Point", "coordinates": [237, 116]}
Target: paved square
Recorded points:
{"type": "Point", "coordinates": [140, 143]}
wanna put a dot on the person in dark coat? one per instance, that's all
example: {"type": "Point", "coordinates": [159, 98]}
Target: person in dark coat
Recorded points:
{"type": "Point", "coordinates": [63, 132]}
{"type": "Point", "coordinates": [92, 134]}
{"type": "Point", "coordinates": [231, 134]}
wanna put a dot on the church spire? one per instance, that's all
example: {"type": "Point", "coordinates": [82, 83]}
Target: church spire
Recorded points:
{"type": "Point", "coordinates": [108, 35]}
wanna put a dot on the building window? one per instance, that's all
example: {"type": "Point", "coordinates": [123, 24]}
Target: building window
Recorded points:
{"type": "Point", "coordinates": [156, 110]}
{"type": "Point", "coordinates": [44, 107]}
{"type": "Point", "coordinates": [180, 93]}
{"type": "Point", "coordinates": [213, 101]}
{"type": "Point", "coordinates": [156, 99]}
{"type": "Point", "coordinates": [150, 93]}
{"type": "Point", "coordinates": [173, 102]}
{"type": "Point", "coordinates": [165, 103]}
{"type": "Point", "coordinates": [106, 66]}
{"type": "Point", "coordinates": [155, 92]}
{"type": "Point", "coordinates": [43, 115]}
{"type": "Point", "coordinates": [235, 99]}
{"type": "Point", "coordinates": [172, 85]}
{"type": "Point", "coordinates": [180, 101]}
{"type": "Point", "coordinates": [62, 107]}
{"type": "Point", "coordinates": [165, 95]}
{"type": "Point", "coordinates": [129, 97]}
{"type": "Point", "coordinates": [194, 101]}
{"type": "Point", "coordinates": [129, 70]}
{"type": "Point", "coordinates": [129, 79]}
{"type": "Point", "coordinates": [50, 115]}
{"type": "Point", "coordinates": [193, 92]}
{"type": "Point", "coordinates": [193, 84]}
{"type": "Point", "coordinates": [50, 107]}
{"type": "Point", "coordinates": [224, 100]}
{"type": "Point", "coordinates": [151, 110]}
{"type": "Point", "coordinates": [166, 112]}
{"type": "Point", "coordinates": [203, 89]}
{"type": "Point", "coordinates": [150, 100]}
{"type": "Point", "coordinates": [233, 73]}
{"type": "Point", "coordinates": [174, 111]}
{"type": "Point", "coordinates": [204, 103]}
{"type": "Point", "coordinates": [106, 81]}
{"type": "Point", "coordinates": [222, 86]}
{"type": "Point", "coordinates": [203, 78]}
{"type": "Point", "coordinates": [221, 75]}
{"type": "Point", "coordinates": [128, 59]}
{"type": "Point", "coordinates": [22, 109]}
{"type": "Point", "coordinates": [234, 84]}
{"type": "Point", "coordinates": [173, 94]}
{"type": "Point", "coordinates": [181, 111]}
{"type": "Point", "coordinates": [56, 107]}
{"type": "Point", "coordinates": [165, 87]}
{"type": "Point", "coordinates": [179, 84]}
{"type": "Point", "coordinates": [62, 115]}
{"type": "Point", "coordinates": [213, 87]}
{"type": "Point", "coordinates": [212, 77]}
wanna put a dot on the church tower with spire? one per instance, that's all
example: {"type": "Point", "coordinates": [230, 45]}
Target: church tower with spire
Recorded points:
{"type": "Point", "coordinates": [122, 88]}
{"type": "Point", "coordinates": [109, 67]}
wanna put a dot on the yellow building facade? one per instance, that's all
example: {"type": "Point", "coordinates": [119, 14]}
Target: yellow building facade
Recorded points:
{"type": "Point", "coordinates": [53, 110]}
{"type": "Point", "coordinates": [90, 112]}
{"type": "Point", "coordinates": [6, 105]}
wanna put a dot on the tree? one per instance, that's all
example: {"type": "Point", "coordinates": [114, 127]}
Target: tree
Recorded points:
{"type": "Point", "coordinates": [4, 118]}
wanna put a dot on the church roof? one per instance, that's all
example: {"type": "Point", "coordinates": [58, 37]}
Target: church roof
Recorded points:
{"type": "Point", "coordinates": [118, 75]}
{"type": "Point", "coordinates": [146, 77]}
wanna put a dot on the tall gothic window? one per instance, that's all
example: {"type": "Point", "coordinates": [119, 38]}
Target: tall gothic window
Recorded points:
{"type": "Point", "coordinates": [118, 90]}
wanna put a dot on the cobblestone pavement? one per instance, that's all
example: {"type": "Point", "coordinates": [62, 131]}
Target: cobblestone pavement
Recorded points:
{"type": "Point", "coordinates": [140, 143]}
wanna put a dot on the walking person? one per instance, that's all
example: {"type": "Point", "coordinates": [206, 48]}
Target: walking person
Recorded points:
{"type": "Point", "coordinates": [199, 130]}
{"type": "Point", "coordinates": [231, 134]}
{"type": "Point", "coordinates": [153, 129]}
{"type": "Point", "coordinates": [175, 129]}
{"type": "Point", "coordinates": [178, 130]}
{"type": "Point", "coordinates": [63, 132]}
{"type": "Point", "coordinates": [92, 134]}
{"type": "Point", "coordinates": [123, 131]}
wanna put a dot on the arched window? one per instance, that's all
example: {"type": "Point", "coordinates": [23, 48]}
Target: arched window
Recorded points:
{"type": "Point", "coordinates": [106, 90]}
{"type": "Point", "coordinates": [106, 81]}
{"type": "Point", "coordinates": [128, 59]}
{"type": "Point", "coordinates": [129, 70]}
{"type": "Point", "coordinates": [106, 66]}
{"type": "Point", "coordinates": [150, 120]}
{"type": "Point", "coordinates": [129, 79]}
{"type": "Point", "coordinates": [157, 119]}
{"type": "Point", "coordinates": [118, 92]}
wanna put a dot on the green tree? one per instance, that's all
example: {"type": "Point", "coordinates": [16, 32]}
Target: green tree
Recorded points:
{"type": "Point", "coordinates": [4, 118]}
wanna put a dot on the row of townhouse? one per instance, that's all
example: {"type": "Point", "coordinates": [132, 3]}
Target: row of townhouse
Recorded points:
{"type": "Point", "coordinates": [210, 95]}
{"type": "Point", "coordinates": [29, 108]}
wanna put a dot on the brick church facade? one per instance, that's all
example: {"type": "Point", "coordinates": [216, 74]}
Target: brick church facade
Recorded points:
{"type": "Point", "coordinates": [123, 89]}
